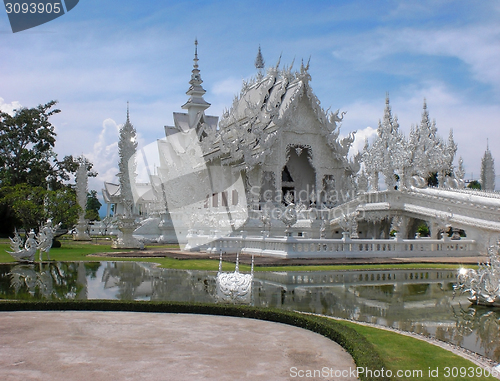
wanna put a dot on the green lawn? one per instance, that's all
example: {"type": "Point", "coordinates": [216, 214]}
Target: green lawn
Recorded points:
{"type": "Point", "coordinates": [80, 251]}
{"type": "Point", "coordinates": [406, 354]}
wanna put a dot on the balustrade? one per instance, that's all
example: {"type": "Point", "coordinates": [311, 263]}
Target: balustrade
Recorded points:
{"type": "Point", "coordinates": [291, 247]}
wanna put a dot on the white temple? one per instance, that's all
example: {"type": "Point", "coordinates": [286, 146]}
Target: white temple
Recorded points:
{"type": "Point", "coordinates": [276, 159]}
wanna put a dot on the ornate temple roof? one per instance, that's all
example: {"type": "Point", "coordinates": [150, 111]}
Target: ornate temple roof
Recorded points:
{"type": "Point", "coordinates": [258, 115]}
{"type": "Point", "coordinates": [195, 106]}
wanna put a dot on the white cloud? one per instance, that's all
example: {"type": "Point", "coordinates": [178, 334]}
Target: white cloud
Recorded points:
{"type": "Point", "coordinates": [360, 138]}
{"type": "Point", "coordinates": [104, 155]}
{"type": "Point", "coordinates": [476, 45]}
{"type": "Point", "coordinates": [9, 107]}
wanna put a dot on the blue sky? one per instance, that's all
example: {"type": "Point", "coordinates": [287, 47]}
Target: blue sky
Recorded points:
{"type": "Point", "coordinates": [104, 53]}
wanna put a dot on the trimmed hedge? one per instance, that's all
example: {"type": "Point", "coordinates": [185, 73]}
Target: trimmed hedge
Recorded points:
{"type": "Point", "coordinates": [362, 351]}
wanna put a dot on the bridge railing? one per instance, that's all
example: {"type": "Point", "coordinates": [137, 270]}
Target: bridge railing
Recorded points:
{"type": "Point", "coordinates": [296, 247]}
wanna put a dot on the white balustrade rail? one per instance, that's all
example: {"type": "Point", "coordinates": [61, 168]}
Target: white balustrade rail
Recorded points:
{"type": "Point", "coordinates": [291, 247]}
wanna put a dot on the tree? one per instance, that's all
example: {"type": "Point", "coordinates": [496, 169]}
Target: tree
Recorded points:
{"type": "Point", "coordinates": [474, 184]}
{"type": "Point", "coordinates": [423, 229]}
{"type": "Point", "coordinates": [32, 181]}
{"type": "Point", "coordinates": [30, 206]}
{"type": "Point", "coordinates": [27, 140]}
{"type": "Point", "coordinates": [93, 206]}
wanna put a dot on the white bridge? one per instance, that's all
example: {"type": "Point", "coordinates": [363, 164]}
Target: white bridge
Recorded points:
{"type": "Point", "coordinates": [476, 213]}
{"type": "Point", "coordinates": [292, 247]}
{"type": "Point", "coordinates": [461, 208]}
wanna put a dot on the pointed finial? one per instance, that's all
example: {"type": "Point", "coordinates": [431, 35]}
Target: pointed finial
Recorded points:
{"type": "Point", "coordinates": [308, 62]}
{"type": "Point", "coordinates": [279, 61]}
{"type": "Point", "coordinates": [128, 113]}
{"type": "Point", "coordinates": [259, 61]}
{"type": "Point", "coordinates": [387, 98]}
{"type": "Point", "coordinates": [195, 64]}
{"type": "Point", "coordinates": [487, 144]}
{"type": "Point", "coordinates": [425, 104]}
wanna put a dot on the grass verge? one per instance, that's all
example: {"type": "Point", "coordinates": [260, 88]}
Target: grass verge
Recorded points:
{"type": "Point", "coordinates": [80, 251]}
{"type": "Point", "coordinates": [417, 359]}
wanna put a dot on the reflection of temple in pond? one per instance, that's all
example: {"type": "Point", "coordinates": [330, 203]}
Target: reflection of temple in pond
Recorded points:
{"type": "Point", "coordinates": [51, 281]}
{"type": "Point", "coordinates": [412, 300]}
{"type": "Point", "coordinates": [143, 281]}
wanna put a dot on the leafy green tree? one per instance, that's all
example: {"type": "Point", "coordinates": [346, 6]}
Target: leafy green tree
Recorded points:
{"type": "Point", "coordinates": [27, 140]}
{"type": "Point", "coordinates": [62, 206]}
{"type": "Point", "coordinates": [93, 206]}
{"type": "Point", "coordinates": [31, 206]}
{"type": "Point", "coordinates": [24, 204]}
{"type": "Point", "coordinates": [474, 184]}
{"type": "Point", "coordinates": [423, 229]}
{"type": "Point", "coordinates": [32, 180]}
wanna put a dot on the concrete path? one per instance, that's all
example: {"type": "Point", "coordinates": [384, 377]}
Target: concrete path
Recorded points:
{"type": "Point", "coordinates": [94, 346]}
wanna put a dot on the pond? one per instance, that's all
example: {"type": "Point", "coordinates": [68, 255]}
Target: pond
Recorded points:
{"type": "Point", "coordinates": [419, 301]}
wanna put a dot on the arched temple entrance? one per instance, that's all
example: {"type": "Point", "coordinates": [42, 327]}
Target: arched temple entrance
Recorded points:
{"type": "Point", "coordinates": [298, 175]}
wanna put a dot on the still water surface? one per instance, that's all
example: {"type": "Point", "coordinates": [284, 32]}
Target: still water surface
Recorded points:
{"type": "Point", "coordinates": [412, 300]}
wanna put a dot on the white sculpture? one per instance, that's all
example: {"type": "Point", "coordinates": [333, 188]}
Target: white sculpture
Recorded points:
{"type": "Point", "coordinates": [421, 155]}
{"type": "Point", "coordinates": [483, 284]}
{"type": "Point", "coordinates": [26, 252]}
{"type": "Point", "coordinates": [81, 229]}
{"type": "Point", "coordinates": [42, 241]}
{"type": "Point", "coordinates": [234, 287]}
{"type": "Point", "coordinates": [127, 147]}
{"type": "Point", "coordinates": [460, 173]}
{"type": "Point", "coordinates": [289, 216]}
{"type": "Point", "coordinates": [45, 237]}
{"type": "Point", "coordinates": [322, 228]}
{"type": "Point", "coordinates": [266, 221]}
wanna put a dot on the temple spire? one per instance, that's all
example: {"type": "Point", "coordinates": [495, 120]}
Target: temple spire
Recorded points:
{"type": "Point", "coordinates": [195, 103]}
{"type": "Point", "coordinates": [195, 60]}
{"type": "Point", "coordinates": [259, 61]}
{"type": "Point", "coordinates": [487, 170]}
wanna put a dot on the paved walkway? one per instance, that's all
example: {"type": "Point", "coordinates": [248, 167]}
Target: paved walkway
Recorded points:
{"type": "Point", "coordinates": [150, 346]}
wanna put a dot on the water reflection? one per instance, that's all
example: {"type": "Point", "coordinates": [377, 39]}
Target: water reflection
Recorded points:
{"type": "Point", "coordinates": [51, 281]}
{"type": "Point", "coordinates": [418, 301]}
